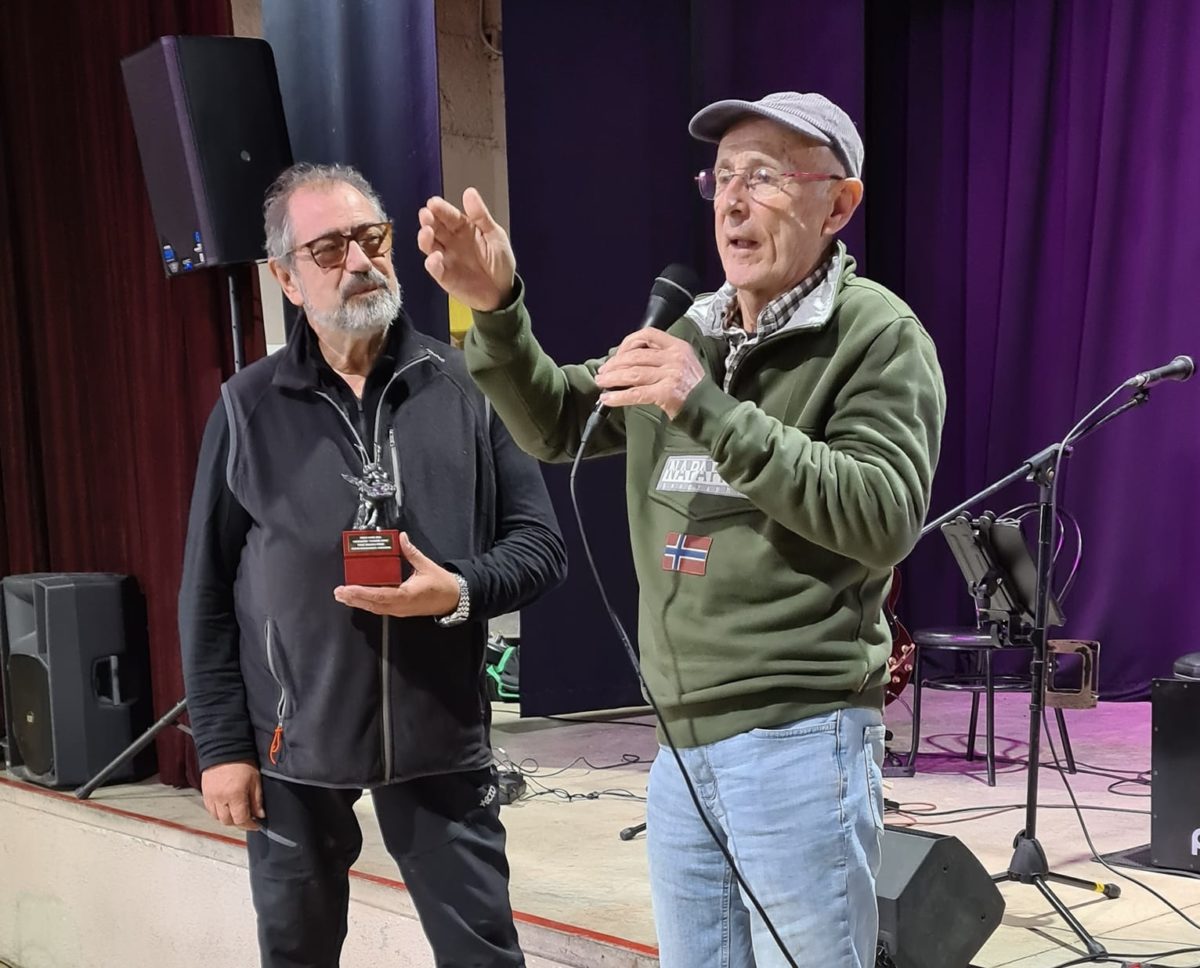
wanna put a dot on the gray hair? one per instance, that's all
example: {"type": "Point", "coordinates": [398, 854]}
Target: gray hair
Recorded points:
{"type": "Point", "coordinates": [305, 174]}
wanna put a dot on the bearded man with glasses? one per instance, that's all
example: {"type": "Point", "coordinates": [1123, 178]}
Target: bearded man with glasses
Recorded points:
{"type": "Point", "coordinates": [781, 440]}
{"type": "Point", "coordinates": [303, 689]}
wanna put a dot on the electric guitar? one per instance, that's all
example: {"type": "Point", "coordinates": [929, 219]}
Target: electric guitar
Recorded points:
{"type": "Point", "coordinates": [900, 662]}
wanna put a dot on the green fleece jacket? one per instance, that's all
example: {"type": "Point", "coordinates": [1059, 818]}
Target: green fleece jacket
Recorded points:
{"type": "Point", "coordinates": [766, 519]}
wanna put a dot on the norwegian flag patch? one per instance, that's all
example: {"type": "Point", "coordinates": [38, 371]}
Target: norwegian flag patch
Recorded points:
{"type": "Point", "coordinates": [686, 553]}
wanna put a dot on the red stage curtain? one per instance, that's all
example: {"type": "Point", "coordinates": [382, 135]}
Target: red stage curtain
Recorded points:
{"type": "Point", "coordinates": [107, 369]}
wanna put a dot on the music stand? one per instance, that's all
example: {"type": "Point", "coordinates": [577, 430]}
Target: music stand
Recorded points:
{"type": "Point", "coordinates": [1000, 573]}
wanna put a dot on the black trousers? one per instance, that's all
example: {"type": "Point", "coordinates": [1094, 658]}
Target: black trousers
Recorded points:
{"type": "Point", "coordinates": [445, 834]}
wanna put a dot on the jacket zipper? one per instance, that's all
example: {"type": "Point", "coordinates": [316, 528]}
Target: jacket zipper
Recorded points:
{"type": "Point", "coordinates": [387, 712]}
{"type": "Point", "coordinates": [281, 706]}
{"type": "Point", "coordinates": [741, 366]}
{"type": "Point", "coordinates": [363, 453]}
{"type": "Point", "coordinates": [364, 456]}
{"type": "Point", "coordinates": [396, 467]}
{"type": "Point", "coordinates": [384, 680]}
{"type": "Point", "coordinates": [425, 357]}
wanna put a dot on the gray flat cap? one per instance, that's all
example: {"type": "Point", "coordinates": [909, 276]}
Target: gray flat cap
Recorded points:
{"type": "Point", "coordinates": [813, 115]}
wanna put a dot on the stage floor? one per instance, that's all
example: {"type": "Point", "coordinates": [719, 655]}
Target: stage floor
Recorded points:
{"type": "Point", "coordinates": [573, 873]}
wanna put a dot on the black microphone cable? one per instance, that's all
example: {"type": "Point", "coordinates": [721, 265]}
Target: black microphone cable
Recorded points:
{"type": "Point", "coordinates": [637, 668]}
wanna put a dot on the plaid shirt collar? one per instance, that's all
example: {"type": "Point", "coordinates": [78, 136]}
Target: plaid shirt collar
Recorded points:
{"type": "Point", "coordinates": [776, 314]}
{"type": "Point", "coordinates": [785, 311]}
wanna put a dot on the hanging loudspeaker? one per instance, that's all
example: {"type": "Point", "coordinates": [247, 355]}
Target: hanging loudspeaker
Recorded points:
{"type": "Point", "coordinates": [212, 137]}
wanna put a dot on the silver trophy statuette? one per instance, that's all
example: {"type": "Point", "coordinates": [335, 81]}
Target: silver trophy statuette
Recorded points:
{"type": "Point", "coordinates": [375, 489]}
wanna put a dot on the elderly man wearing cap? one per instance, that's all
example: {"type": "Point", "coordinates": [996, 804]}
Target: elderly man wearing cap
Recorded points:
{"type": "Point", "coordinates": [781, 440]}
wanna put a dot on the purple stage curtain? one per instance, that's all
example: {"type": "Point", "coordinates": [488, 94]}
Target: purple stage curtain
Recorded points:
{"type": "Point", "coordinates": [1034, 171]}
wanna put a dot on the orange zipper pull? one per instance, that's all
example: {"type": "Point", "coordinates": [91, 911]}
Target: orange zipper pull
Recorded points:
{"type": "Point", "coordinates": [276, 744]}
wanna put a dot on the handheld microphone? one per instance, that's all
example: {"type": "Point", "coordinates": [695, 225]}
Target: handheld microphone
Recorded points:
{"type": "Point", "coordinates": [671, 296]}
{"type": "Point", "coordinates": [1181, 368]}
{"type": "Point", "coordinates": [673, 292]}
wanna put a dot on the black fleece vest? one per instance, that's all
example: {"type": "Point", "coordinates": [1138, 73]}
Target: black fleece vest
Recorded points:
{"type": "Point", "coordinates": [337, 696]}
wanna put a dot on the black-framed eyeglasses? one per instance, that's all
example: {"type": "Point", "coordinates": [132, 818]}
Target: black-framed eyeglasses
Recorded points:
{"type": "Point", "coordinates": [760, 182]}
{"type": "Point", "coordinates": [329, 251]}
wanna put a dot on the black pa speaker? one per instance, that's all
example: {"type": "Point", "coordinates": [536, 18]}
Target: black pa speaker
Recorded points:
{"type": "Point", "coordinates": [212, 137]}
{"type": "Point", "coordinates": [1175, 774]}
{"type": "Point", "coordinates": [74, 657]}
{"type": "Point", "coordinates": [937, 905]}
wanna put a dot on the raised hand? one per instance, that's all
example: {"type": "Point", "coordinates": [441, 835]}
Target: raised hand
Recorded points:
{"type": "Point", "coordinates": [466, 252]}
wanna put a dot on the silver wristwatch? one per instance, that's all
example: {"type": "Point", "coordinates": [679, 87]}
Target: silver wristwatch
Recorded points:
{"type": "Point", "coordinates": [463, 609]}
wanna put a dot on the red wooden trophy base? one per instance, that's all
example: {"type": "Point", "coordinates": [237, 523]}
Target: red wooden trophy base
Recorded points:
{"type": "Point", "coordinates": [372, 557]}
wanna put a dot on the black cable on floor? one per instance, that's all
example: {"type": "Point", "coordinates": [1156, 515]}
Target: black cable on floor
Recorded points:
{"type": "Point", "coordinates": [1088, 837]}
{"type": "Point", "coordinates": [600, 722]}
{"type": "Point", "coordinates": [1017, 806]}
{"type": "Point", "coordinates": [1113, 957]}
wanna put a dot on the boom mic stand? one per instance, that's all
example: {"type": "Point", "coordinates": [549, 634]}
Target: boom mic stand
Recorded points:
{"type": "Point", "coordinates": [1028, 864]}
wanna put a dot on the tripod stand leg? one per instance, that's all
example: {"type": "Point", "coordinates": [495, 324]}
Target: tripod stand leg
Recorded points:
{"type": "Point", "coordinates": [1093, 946]}
{"type": "Point", "coordinates": [1066, 740]}
{"type": "Point", "coordinates": [990, 689]}
{"type": "Point", "coordinates": [896, 764]}
{"type": "Point", "coordinates": [971, 729]}
{"type": "Point", "coordinates": [1029, 866]}
{"type": "Point", "coordinates": [910, 765]}
{"type": "Point", "coordinates": [136, 747]}
{"type": "Point", "coordinates": [1108, 890]}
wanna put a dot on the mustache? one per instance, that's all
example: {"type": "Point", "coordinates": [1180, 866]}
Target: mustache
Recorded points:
{"type": "Point", "coordinates": [364, 282]}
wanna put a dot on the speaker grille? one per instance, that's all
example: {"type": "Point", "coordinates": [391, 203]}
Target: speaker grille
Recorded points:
{"type": "Point", "coordinates": [32, 731]}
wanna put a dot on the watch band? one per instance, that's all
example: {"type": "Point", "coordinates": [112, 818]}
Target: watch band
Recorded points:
{"type": "Point", "coordinates": [463, 609]}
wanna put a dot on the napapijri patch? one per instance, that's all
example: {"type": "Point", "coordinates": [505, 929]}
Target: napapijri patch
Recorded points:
{"type": "Point", "coordinates": [694, 474]}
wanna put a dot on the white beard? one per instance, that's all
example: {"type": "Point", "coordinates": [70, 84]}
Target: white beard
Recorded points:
{"type": "Point", "coordinates": [364, 313]}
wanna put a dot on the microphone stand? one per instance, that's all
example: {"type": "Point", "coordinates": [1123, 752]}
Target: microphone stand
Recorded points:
{"type": "Point", "coordinates": [1028, 864]}
{"type": "Point", "coordinates": [1031, 465]}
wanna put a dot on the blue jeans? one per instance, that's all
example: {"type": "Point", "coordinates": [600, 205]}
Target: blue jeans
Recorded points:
{"type": "Point", "coordinates": [800, 808]}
